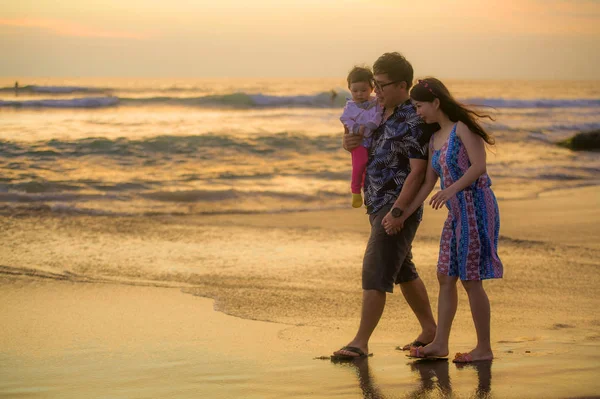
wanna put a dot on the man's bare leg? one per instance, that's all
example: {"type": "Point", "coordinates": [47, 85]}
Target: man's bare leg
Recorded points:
{"type": "Point", "coordinates": [372, 308]}
{"type": "Point", "coordinates": [416, 296]}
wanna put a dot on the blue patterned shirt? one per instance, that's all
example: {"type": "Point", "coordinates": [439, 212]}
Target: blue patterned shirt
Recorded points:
{"type": "Point", "coordinates": [402, 137]}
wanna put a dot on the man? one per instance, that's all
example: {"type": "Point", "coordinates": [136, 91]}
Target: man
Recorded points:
{"type": "Point", "coordinates": [395, 172]}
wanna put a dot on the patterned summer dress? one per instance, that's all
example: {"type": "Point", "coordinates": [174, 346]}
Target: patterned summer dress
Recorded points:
{"type": "Point", "coordinates": [469, 243]}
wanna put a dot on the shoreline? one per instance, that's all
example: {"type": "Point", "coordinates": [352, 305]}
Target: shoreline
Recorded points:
{"type": "Point", "coordinates": [576, 228]}
{"type": "Point", "coordinates": [32, 208]}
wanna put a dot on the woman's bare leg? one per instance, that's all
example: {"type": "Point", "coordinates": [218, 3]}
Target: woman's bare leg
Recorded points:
{"type": "Point", "coordinates": [480, 310]}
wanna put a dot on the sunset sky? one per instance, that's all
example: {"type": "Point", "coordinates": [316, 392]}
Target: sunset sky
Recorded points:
{"type": "Point", "coordinates": [525, 39]}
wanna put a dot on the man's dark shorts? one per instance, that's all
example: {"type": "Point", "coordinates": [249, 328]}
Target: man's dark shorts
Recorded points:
{"type": "Point", "coordinates": [388, 258]}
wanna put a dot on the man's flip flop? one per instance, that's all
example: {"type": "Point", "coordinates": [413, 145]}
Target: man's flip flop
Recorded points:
{"type": "Point", "coordinates": [353, 349]}
{"type": "Point", "coordinates": [414, 344]}
{"type": "Point", "coordinates": [417, 353]}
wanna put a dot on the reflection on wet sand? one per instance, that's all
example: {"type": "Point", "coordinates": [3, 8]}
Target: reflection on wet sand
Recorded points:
{"type": "Point", "coordinates": [433, 376]}
{"type": "Point", "coordinates": [365, 380]}
{"type": "Point", "coordinates": [434, 379]}
{"type": "Point", "coordinates": [484, 377]}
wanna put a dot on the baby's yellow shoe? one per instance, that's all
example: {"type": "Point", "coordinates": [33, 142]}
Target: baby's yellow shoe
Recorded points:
{"type": "Point", "coordinates": [357, 200]}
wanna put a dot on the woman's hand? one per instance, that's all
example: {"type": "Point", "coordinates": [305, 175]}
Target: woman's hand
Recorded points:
{"type": "Point", "coordinates": [441, 197]}
{"type": "Point", "coordinates": [391, 224]}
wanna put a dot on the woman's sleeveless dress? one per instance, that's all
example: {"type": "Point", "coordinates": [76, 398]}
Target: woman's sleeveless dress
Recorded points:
{"type": "Point", "coordinates": [469, 242]}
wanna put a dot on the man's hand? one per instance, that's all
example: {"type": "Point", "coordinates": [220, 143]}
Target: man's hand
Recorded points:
{"type": "Point", "coordinates": [391, 224]}
{"type": "Point", "coordinates": [351, 141]}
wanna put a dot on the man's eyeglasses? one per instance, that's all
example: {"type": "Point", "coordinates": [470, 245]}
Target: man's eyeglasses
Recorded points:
{"type": "Point", "coordinates": [380, 86]}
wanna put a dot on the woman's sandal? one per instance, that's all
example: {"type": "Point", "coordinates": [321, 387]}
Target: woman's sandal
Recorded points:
{"type": "Point", "coordinates": [467, 358]}
{"type": "Point", "coordinates": [416, 343]}
{"type": "Point", "coordinates": [417, 353]}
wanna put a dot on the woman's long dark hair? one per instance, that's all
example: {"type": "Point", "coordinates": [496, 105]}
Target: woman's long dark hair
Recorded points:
{"type": "Point", "coordinates": [428, 89]}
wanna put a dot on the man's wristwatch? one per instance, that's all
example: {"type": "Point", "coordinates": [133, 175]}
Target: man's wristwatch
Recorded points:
{"type": "Point", "coordinates": [397, 212]}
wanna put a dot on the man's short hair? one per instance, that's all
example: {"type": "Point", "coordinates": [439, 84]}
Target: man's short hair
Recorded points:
{"type": "Point", "coordinates": [397, 68]}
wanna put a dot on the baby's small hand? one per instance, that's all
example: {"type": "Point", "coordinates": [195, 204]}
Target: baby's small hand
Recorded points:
{"type": "Point", "coordinates": [351, 141]}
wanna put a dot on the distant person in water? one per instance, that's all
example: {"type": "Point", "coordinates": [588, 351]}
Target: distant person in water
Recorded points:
{"type": "Point", "coordinates": [16, 88]}
{"type": "Point", "coordinates": [361, 114]}
{"type": "Point", "coordinates": [469, 242]}
{"type": "Point", "coordinates": [333, 97]}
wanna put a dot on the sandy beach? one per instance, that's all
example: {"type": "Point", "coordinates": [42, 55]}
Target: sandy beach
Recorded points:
{"type": "Point", "coordinates": [243, 306]}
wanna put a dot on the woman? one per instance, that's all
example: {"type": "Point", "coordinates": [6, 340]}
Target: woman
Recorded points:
{"type": "Point", "coordinates": [469, 241]}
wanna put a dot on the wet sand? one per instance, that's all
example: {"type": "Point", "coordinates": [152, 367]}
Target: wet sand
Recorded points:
{"type": "Point", "coordinates": [125, 307]}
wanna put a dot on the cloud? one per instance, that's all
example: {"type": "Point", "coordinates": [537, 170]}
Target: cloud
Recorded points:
{"type": "Point", "coordinates": [65, 28]}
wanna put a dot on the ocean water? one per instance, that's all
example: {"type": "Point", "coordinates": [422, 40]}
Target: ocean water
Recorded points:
{"type": "Point", "coordinates": [154, 147]}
